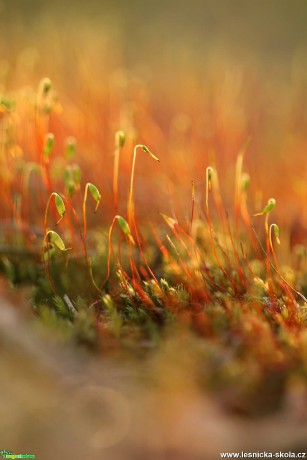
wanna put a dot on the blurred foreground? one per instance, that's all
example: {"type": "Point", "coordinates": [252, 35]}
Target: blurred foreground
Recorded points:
{"type": "Point", "coordinates": [59, 404]}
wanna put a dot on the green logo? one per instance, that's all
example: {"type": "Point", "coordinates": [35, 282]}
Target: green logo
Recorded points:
{"type": "Point", "coordinates": [9, 454]}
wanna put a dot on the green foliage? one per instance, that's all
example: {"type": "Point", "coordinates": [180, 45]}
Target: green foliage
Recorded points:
{"type": "Point", "coordinates": [124, 226]}
{"type": "Point", "coordinates": [62, 308]}
{"type": "Point", "coordinates": [55, 239]}
{"type": "Point", "coordinates": [94, 192]}
{"type": "Point", "coordinates": [70, 148]}
{"type": "Point", "coordinates": [149, 152]}
{"type": "Point", "coordinates": [120, 139]}
{"type": "Point", "coordinates": [7, 103]}
{"type": "Point", "coordinates": [268, 207]}
{"type": "Point", "coordinates": [245, 181]}
{"type": "Point", "coordinates": [113, 317]}
{"type": "Point", "coordinates": [49, 144]}
{"type": "Point", "coordinates": [59, 203]}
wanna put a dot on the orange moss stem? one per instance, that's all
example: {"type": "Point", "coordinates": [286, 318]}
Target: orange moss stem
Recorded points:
{"type": "Point", "coordinates": [209, 172]}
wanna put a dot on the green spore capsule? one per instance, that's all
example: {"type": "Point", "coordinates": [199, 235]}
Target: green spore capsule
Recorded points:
{"type": "Point", "coordinates": [48, 145]}
{"type": "Point", "coordinates": [124, 226]}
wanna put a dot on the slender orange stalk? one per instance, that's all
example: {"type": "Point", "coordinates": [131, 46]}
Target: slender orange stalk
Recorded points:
{"type": "Point", "coordinates": [278, 273]}
{"type": "Point", "coordinates": [142, 252]}
{"type": "Point", "coordinates": [119, 143]}
{"type": "Point", "coordinates": [51, 238]}
{"type": "Point", "coordinates": [60, 208]}
{"type": "Point", "coordinates": [87, 260]}
{"type": "Point", "coordinates": [276, 232]}
{"type": "Point", "coordinates": [266, 211]}
{"type": "Point", "coordinates": [124, 226]}
{"type": "Point", "coordinates": [209, 173]}
{"type": "Point", "coordinates": [193, 206]}
{"type": "Point", "coordinates": [238, 184]}
{"type": "Point", "coordinates": [97, 197]}
{"type": "Point", "coordinates": [130, 198]}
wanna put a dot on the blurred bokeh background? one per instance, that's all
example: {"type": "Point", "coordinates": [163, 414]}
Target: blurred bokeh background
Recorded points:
{"type": "Point", "coordinates": [271, 30]}
{"type": "Point", "coordinates": [192, 80]}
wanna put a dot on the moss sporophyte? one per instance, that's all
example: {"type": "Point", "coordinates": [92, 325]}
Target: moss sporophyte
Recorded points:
{"type": "Point", "coordinates": [141, 251]}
